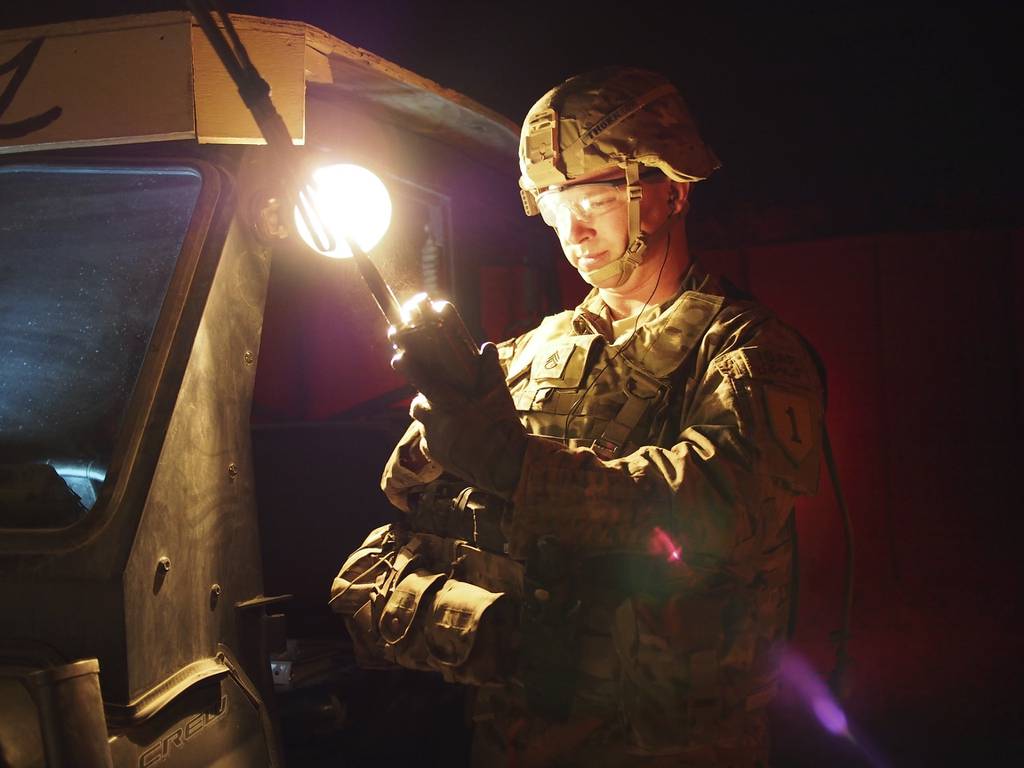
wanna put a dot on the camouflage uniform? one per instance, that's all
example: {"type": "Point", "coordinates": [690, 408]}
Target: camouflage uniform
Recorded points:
{"type": "Point", "coordinates": [654, 506]}
{"type": "Point", "coordinates": [667, 478]}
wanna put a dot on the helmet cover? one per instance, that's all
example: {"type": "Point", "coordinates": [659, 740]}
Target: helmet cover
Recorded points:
{"type": "Point", "coordinates": [606, 119]}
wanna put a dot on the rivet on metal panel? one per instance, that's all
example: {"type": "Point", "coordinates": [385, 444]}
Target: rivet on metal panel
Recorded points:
{"type": "Point", "coordinates": [249, 358]}
{"type": "Point", "coordinates": [163, 565]}
{"type": "Point", "coordinates": [232, 470]}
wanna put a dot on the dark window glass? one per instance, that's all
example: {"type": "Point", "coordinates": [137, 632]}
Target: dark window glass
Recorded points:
{"type": "Point", "coordinates": [86, 255]}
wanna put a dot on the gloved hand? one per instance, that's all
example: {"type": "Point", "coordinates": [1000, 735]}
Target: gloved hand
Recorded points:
{"type": "Point", "coordinates": [474, 434]}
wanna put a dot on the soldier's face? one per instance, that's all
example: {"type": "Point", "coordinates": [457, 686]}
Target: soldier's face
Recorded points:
{"type": "Point", "coordinates": [593, 229]}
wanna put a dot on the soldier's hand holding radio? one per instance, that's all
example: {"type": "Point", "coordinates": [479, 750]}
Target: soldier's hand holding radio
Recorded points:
{"type": "Point", "coordinates": [469, 423]}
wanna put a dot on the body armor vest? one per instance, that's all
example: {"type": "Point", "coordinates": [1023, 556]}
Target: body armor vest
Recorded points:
{"type": "Point", "coordinates": [612, 397]}
{"type": "Point", "coordinates": [569, 383]}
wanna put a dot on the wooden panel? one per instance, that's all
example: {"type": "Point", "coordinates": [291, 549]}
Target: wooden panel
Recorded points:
{"type": "Point", "coordinates": [728, 264]}
{"type": "Point", "coordinates": [114, 81]}
{"type": "Point", "coordinates": [414, 102]}
{"type": "Point", "coordinates": [947, 311]}
{"type": "Point", "coordinates": [921, 336]}
{"type": "Point", "coordinates": [278, 52]}
{"type": "Point", "coordinates": [827, 290]}
{"type": "Point", "coordinates": [1017, 259]}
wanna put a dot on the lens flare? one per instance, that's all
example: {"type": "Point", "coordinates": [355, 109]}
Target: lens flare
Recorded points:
{"type": "Point", "coordinates": [801, 679]}
{"type": "Point", "coordinates": [830, 715]}
{"type": "Point", "coordinates": [805, 681]}
{"type": "Point", "coordinates": [662, 544]}
{"type": "Point", "coordinates": [348, 202]}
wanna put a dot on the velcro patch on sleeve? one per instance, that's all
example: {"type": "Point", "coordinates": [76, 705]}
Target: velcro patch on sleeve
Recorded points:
{"type": "Point", "coordinates": [768, 365]}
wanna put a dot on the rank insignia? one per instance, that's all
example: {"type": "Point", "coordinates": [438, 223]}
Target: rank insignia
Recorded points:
{"type": "Point", "coordinates": [551, 361]}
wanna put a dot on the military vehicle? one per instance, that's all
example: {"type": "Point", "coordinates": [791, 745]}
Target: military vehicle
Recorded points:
{"type": "Point", "coordinates": [139, 216]}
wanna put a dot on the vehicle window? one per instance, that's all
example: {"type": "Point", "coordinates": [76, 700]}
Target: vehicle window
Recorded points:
{"type": "Point", "coordinates": [86, 255]}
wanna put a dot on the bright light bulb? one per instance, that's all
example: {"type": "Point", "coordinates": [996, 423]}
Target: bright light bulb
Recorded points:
{"type": "Point", "coordinates": [351, 202]}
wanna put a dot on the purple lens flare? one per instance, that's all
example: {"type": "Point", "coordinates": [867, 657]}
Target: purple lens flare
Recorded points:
{"type": "Point", "coordinates": [830, 715]}
{"type": "Point", "coordinates": [798, 675]}
{"type": "Point", "coordinates": [813, 691]}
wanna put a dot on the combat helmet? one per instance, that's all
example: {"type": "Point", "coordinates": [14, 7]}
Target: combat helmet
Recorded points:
{"type": "Point", "coordinates": [616, 117]}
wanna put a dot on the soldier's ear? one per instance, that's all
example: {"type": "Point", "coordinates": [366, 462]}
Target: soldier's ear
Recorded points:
{"type": "Point", "coordinates": [678, 194]}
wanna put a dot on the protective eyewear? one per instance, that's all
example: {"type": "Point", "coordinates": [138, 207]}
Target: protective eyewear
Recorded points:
{"type": "Point", "coordinates": [585, 202]}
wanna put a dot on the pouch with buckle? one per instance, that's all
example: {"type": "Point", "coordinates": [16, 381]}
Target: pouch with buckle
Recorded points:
{"type": "Point", "coordinates": [401, 621]}
{"type": "Point", "coordinates": [361, 572]}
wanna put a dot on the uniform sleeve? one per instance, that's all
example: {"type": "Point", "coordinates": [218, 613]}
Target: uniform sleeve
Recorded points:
{"type": "Point", "coordinates": [747, 443]}
{"type": "Point", "coordinates": [407, 469]}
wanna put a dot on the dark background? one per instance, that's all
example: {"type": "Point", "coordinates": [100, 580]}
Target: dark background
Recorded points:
{"type": "Point", "coordinates": [887, 115]}
{"type": "Point", "coordinates": [870, 192]}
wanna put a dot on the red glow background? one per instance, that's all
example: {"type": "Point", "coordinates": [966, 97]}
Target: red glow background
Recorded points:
{"type": "Point", "coordinates": [921, 336]}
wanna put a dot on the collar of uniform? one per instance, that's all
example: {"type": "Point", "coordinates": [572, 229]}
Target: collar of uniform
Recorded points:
{"type": "Point", "coordinates": [593, 315]}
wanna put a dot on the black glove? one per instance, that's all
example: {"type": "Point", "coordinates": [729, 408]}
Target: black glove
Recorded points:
{"type": "Point", "coordinates": [477, 436]}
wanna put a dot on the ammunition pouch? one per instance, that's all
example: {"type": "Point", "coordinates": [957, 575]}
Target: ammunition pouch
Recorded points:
{"type": "Point", "coordinates": [428, 602]}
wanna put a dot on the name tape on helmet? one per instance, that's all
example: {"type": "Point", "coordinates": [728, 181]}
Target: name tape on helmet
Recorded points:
{"type": "Point", "coordinates": [619, 114]}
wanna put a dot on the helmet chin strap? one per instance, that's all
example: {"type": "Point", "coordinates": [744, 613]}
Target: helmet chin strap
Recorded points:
{"type": "Point", "coordinates": [623, 266]}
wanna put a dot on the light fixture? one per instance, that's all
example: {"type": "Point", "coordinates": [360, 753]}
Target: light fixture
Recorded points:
{"type": "Point", "coordinates": [351, 203]}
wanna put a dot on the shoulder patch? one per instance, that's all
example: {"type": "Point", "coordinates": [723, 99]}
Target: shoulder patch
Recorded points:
{"type": "Point", "coordinates": [792, 423]}
{"type": "Point", "coordinates": [768, 365]}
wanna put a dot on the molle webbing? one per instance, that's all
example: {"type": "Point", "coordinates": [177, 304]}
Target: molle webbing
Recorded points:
{"type": "Point", "coordinates": [642, 372]}
{"type": "Point", "coordinates": [659, 350]}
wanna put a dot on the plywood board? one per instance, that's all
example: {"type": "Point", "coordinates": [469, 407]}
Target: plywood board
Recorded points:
{"type": "Point", "coordinates": [277, 50]}
{"type": "Point", "coordinates": [113, 81]}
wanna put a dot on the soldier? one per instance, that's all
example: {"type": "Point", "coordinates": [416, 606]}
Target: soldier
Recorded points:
{"type": "Point", "coordinates": [649, 445]}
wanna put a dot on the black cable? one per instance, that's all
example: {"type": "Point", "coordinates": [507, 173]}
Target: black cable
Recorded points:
{"type": "Point", "coordinates": [202, 13]}
{"type": "Point", "coordinates": [236, 42]}
{"type": "Point", "coordinates": [255, 93]}
{"type": "Point", "coordinates": [837, 680]}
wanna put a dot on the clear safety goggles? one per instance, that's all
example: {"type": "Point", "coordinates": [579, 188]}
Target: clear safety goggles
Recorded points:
{"type": "Point", "coordinates": [587, 202]}
{"type": "Point", "coordinates": [584, 202]}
